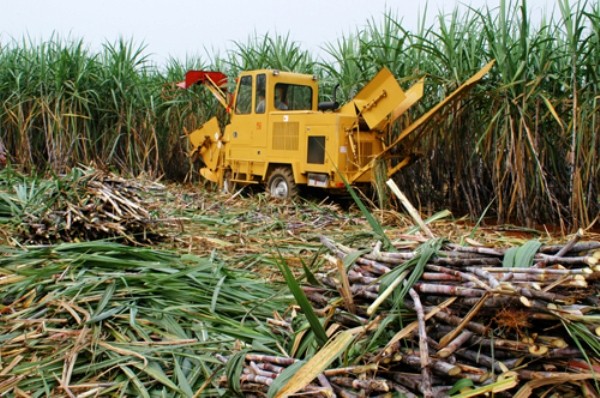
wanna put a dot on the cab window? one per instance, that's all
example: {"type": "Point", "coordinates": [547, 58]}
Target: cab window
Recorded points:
{"type": "Point", "coordinates": [292, 97]}
{"type": "Point", "coordinates": [260, 93]}
{"type": "Point", "coordinates": [243, 102]}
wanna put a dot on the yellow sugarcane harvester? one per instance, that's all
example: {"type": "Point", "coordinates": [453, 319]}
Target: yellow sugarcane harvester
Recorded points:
{"type": "Point", "coordinates": [280, 136]}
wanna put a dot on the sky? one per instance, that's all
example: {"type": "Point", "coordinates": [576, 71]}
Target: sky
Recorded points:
{"type": "Point", "coordinates": [200, 28]}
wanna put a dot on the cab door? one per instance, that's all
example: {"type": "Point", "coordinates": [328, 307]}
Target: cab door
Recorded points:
{"type": "Point", "coordinates": [247, 131]}
{"type": "Point", "coordinates": [261, 113]}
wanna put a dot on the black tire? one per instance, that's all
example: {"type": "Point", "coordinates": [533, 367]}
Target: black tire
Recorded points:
{"type": "Point", "coordinates": [281, 184]}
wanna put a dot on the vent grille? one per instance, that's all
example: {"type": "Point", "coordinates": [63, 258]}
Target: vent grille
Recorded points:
{"type": "Point", "coordinates": [286, 136]}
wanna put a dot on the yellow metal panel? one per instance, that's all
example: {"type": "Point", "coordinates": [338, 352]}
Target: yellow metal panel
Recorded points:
{"type": "Point", "coordinates": [209, 175]}
{"type": "Point", "coordinates": [209, 129]}
{"type": "Point", "coordinates": [379, 98]}
{"type": "Point", "coordinates": [413, 94]}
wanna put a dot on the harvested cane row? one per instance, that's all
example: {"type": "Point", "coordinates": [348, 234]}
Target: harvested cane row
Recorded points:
{"type": "Point", "coordinates": [483, 319]}
{"type": "Point", "coordinates": [89, 205]}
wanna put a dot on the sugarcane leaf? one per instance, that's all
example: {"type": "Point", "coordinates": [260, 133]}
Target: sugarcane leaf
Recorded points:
{"type": "Point", "coordinates": [310, 277]}
{"type": "Point", "coordinates": [106, 297]}
{"type": "Point", "coordinates": [259, 346]}
{"type": "Point", "coordinates": [498, 386]}
{"type": "Point", "coordinates": [233, 370]}
{"type": "Point", "coordinates": [9, 208]}
{"type": "Point", "coordinates": [382, 331]}
{"type": "Point", "coordinates": [303, 302]}
{"type": "Point", "coordinates": [509, 257]}
{"type": "Point", "coordinates": [106, 314]}
{"type": "Point", "coordinates": [461, 385]}
{"type": "Point", "coordinates": [303, 343]}
{"type": "Point", "coordinates": [580, 334]}
{"type": "Point", "coordinates": [136, 381]}
{"type": "Point", "coordinates": [284, 377]}
{"type": "Point", "coordinates": [133, 310]}
{"type": "Point", "coordinates": [351, 258]}
{"type": "Point", "coordinates": [396, 273]}
{"type": "Point", "coordinates": [480, 219]}
{"type": "Point", "coordinates": [425, 252]}
{"type": "Point", "coordinates": [525, 254]}
{"type": "Point", "coordinates": [182, 380]}
{"type": "Point", "coordinates": [154, 370]}
{"type": "Point", "coordinates": [317, 364]}
{"type": "Point", "coordinates": [440, 215]}
{"type": "Point", "coordinates": [422, 256]}
{"type": "Point", "coordinates": [215, 296]}
{"type": "Point", "coordinates": [375, 225]}
{"type": "Point", "coordinates": [521, 256]}
{"type": "Point", "coordinates": [551, 109]}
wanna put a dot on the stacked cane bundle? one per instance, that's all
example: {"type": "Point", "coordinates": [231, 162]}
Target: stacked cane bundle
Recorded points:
{"type": "Point", "coordinates": [86, 205]}
{"type": "Point", "coordinates": [486, 319]}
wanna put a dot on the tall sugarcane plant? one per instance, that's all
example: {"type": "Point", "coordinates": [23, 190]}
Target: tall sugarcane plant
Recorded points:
{"type": "Point", "coordinates": [526, 140]}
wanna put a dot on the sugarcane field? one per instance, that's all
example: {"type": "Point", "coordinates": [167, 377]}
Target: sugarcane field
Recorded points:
{"type": "Point", "coordinates": [416, 215]}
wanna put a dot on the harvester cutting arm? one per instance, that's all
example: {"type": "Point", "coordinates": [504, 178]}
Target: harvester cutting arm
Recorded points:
{"type": "Point", "coordinates": [456, 95]}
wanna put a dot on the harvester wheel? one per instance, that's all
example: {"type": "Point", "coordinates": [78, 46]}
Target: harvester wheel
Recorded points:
{"type": "Point", "coordinates": [281, 184]}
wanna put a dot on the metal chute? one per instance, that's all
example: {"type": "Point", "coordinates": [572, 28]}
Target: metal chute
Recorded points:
{"type": "Point", "coordinates": [207, 143]}
{"type": "Point", "coordinates": [375, 101]}
{"type": "Point", "coordinates": [216, 82]}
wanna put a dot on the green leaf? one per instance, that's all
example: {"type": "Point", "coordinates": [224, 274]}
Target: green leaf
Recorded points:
{"type": "Point", "coordinates": [182, 380]}
{"type": "Point", "coordinates": [233, 370]}
{"type": "Point", "coordinates": [283, 378]}
{"type": "Point", "coordinates": [460, 385]}
{"type": "Point", "coordinates": [423, 254]}
{"type": "Point", "coordinates": [136, 381]}
{"type": "Point", "coordinates": [106, 297]}
{"type": "Point", "coordinates": [303, 302]}
{"type": "Point", "coordinates": [154, 370]}
{"type": "Point", "coordinates": [215, 297]}
{"type": "Point", "coordinates": [375, 225]}
{"type": "Point", "coordinates": [430, 220]}
{"type": "Point", "coordinates": [106, 314]}
{"type": "Point", "coordinates": [521, 256]}
{"type": "Point", "coordinates": [351, 258]}
{"type": "Point", "coordinates": [310, 277]}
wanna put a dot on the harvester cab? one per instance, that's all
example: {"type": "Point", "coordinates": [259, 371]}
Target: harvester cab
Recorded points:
{"type": "Point", "coordinates": [281, 137]}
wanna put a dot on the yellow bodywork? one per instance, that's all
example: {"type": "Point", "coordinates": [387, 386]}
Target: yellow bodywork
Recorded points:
{"type": "Point", "coordinates": [206, 142]}
{"type": "Point", "coordinates": [275, 122]}
{"type": "Point", "coordinates": [376, 100]}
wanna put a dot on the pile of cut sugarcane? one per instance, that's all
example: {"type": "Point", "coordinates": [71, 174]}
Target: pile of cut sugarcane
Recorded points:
{"type": "Point", "coordinates": [86, 204]}
{"type": "Point", "coordinates": [432, 318]}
